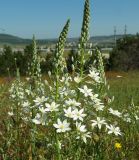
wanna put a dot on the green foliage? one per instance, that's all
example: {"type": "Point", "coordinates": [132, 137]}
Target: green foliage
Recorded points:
{"type": "Point", "coordinates": [47, 63]}
{"type": "Point", "coordinates": [125, 55]}
{"type": "Point", "coordinates": [6, 60]}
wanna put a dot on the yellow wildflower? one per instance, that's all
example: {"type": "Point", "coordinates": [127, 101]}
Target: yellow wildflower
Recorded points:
{"type": "Point", "coordinates": [118, 145]}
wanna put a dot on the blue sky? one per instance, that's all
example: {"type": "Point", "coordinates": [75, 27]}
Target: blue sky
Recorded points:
{"type": "Point", "coordinates": [45, 18]}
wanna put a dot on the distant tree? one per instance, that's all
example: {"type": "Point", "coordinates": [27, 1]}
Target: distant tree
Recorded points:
{"type": "Point", "coordinates": [28, 52]}
{"type": "Point", "coordinates": [125, 56]}
{"type": "Point", "coordinates": [7, 60]}
{"type": "Point", "coordinates": [20, 62]}
{"type": "Point", "coordinates": [47, 63]}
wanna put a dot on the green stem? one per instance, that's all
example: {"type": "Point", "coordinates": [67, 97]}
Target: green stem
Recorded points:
{"type": "Point", "coordinates": [17, 132]}
{"type": "Point", "coordinates": [82, 63]}
{"type": "Point", "coordinates": [56, 137]}
{"type": "Point", "coordinates": [33, 139]}
{"type": "Point", "coordinates": [81, 71]}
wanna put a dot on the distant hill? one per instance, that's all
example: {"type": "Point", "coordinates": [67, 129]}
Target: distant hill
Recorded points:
{"type": "Point", "coordinates": [14, 40]}
{"type": "Point", "coordinates": [10, 39]}
{"type": "Point", "coordinates": [109, 38]}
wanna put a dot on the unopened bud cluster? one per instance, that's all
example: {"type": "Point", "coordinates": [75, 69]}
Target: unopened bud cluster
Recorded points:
{"type": "Point", "coordinates": [59, 60]}
{"type": "Point", "coordinates": [85, 25]}
{"type": "Point", "coordinates": [34, 66]}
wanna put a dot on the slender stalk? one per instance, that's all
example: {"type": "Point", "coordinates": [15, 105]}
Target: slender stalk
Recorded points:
{"type": "Point", "coordinates": [83, 40]}
{"type": "Point", "coordinates": [58, 70]}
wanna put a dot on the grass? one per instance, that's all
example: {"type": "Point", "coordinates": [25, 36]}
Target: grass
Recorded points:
{"type": "Point", "coordinates": [124, 87]}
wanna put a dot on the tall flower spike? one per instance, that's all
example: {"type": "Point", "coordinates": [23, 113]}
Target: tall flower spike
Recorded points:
{"type": "Point", "coordinates": [34, 68]}
{"type": "Point", "coordinates": [85, 25]}
{"type": "Point", "coordinates": [59, 60]}
{"type": "Point", "coordinates": [84, 37]}
{"type": "Point", "coordinates": [100, 65]}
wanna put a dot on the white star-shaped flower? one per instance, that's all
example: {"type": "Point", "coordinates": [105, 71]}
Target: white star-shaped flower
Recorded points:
{"type": "Point", "coordinates": [94, 97]}
{"type": "Point", "coordinates": [78, 114]}
{"type": "Point", "coordinates": [94, 75]}
{"type": "Point", "coordinates": [40, 119]}
{"type": "Point", "coordinates": [26, 104]}
{"type": "Point", "coordinates": [62, 126]}
{"type": "Point", "coordinates": [51, 107]}
{"type": "Point", "coordinates": [99, 122]}
{"type": "Point", "coordinates": [72, 103]}
{"type": "Point", "coordinates": [99, 106]}
{"type": "Point", "coordinates": [68, 112]}
{"type": "Point", "coordinates": [113, 129]}
{"type": "Point", "coordinates": [80, 127]}
{"type": "Point", "coordinates": [40, 100]}
{"type": "Point", "coordinates": [77, 79]}
{"type": "Point", "coordinates": [115, 112]}
{"type": "Point", "coordinates": [86, 91]}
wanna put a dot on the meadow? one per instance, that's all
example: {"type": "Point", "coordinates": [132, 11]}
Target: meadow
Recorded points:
{"type": "Point", "coordinates": [124, 86]}
{"type": "Point", "coordinates": [125, 89]}
{"type": "Point", "coordinates": [70, 116]}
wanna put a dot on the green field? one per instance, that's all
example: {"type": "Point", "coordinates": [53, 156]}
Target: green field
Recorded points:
{"type": "Point", "coordinates": [124, 88]}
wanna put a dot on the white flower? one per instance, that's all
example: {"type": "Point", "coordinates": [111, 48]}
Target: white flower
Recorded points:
{"type": "Point", "coordinates": [49, 73]}
{"type": "Point", "coordinates": [115, 112]}
{"type": "Point", "coordinates": [94, 97]}
{"type": "Point", "coordinates": [94, 75]}
{"type": "Point", "coordinates": [40, 100]}
{"type": "Point", "coordinates": [66, 79]}
{"type": "Point", "coordinates": [126, 118]}
{"type": "Point", "coordinates": [20, 95]}
{"type": "Point", "coordinates": [10, 113]}
{"type": "Point", "coordinates": [13, 96]}
{"type": "Point", "coordinates": [63, 91]}
{"type": "Point", "coordinates": [68, 113]}
{"type": "Point", "coordinates": [99, 122]}
{"type": "Point", "coordinates": [37, 118]}
{"type": "Point", "coordinates": [86, 91]}
{"type": "Point", "coordinates": [26, 104]}
{"type": "Point", "coordinates": [77, 79]}
{"type": "Point", "coordinates": [97, 101]}
{"type": "Point", "coordinates": [84, 136]}
{"type": "Point", "coordinates": [42, 110]}
{"type": "Point", "coordinates": [40, 119]}
{"type": "Point", "coordinates": [78, 114]}
{"type": "Point", "coordinates": [62, 126]}
{"type": "Point", "coordinates": [63, 79]}
{"type": "Point", "coordinates": [51, 107]}
{"type": "Point", "coordinates": [136, 117]}
{"type": "Point", "coordinates": [27, 78]}
{"type": "Point", "coordinates": [113, 129]}
{"type": "Point", "coordinates": [80, 127]}
{"type": "Point", "coordinates": [99, 106]}
{"type": "Point", "coordinates": [72, 103]}
{"type": "Point", "coordinates": [28, 91]}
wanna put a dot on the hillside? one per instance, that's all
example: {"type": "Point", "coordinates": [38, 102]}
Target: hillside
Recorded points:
{"type": "Point", "coordinates": [10, 39]}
